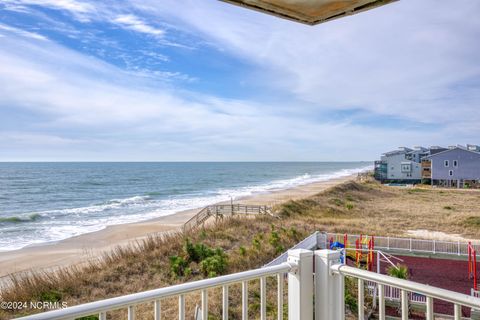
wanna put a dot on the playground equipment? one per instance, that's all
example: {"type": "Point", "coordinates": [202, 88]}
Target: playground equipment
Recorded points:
{"type": "Point", "coordinates": [364, 243]}
{"type": "Point", "coordinates": [472, 265]}
{"type": "Point", "coordinates": [360, 245]}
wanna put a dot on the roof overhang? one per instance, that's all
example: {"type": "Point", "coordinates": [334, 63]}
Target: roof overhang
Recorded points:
{"type": "Point", "coordinates": [310, 11]}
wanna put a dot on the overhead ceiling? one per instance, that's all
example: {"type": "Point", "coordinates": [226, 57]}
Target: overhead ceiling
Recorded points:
{"type": "Point", "coordinates": [310, 11]}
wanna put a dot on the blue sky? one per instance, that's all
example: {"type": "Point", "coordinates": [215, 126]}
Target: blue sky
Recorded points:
{"type": "Point", "coordinates": [201, 80]}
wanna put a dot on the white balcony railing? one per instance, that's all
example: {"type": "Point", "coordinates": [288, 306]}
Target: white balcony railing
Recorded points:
{"type": "Point", "coordinates": [323, 288]}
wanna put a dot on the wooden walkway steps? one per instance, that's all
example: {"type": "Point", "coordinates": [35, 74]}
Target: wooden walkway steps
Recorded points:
{"type": "Point", "coordinates": [223, 211]}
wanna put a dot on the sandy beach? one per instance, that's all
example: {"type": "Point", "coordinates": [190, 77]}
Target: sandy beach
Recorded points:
{"type": "Point", "coordinates": [79, 249]}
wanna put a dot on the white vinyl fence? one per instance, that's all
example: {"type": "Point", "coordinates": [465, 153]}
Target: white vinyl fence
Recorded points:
{"type": "Point", "coordinates": [458, 248]}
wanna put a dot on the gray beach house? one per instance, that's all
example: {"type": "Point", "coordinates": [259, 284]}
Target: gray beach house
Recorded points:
{"type": "Point", "coordinates": [457, 167]}
{"type": "Point", "coordinates": [453, 167]}
{"type": "Point", "coordinates": [402, 165]}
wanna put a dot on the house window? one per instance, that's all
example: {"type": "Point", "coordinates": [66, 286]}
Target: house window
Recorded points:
{"type": "Point", "coordinates": [446, 163]}
{"type": "Point", "coordinates": [455, 163]}
{"type": "Point", "coordinates": [450, 172]}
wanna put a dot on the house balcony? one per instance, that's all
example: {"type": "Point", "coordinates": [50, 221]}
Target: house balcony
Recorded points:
{"type": "Point", "coordinates": [312, 280]}
{"type": "Point", "coordinates": [426, 169]}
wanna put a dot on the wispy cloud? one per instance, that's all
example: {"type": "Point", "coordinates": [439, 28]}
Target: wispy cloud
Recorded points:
{"type": "Point", "coordinates": [79, 9]}
{"type": "Point", "coordinates": [20, 32]}
{"type": "Point", "coordinates": [134, 23]}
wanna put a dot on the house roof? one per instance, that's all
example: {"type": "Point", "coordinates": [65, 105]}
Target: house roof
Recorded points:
{"type": "Point", "coordinates": [401, 150]}
{"type": "Point", "coordinates": [310, 11]}
{"type": "Point", "coordinates": [449, 150]}
{"type": "Point", "coordinates": [394, 152]}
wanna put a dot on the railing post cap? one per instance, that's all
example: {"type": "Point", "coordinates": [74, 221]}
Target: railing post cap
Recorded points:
{"type": "Point", "coordinates": [300, 253]}
{"type": "Point", "coordinates": [327, 253]}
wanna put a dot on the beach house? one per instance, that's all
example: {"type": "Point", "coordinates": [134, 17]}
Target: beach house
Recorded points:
{"type": "Point", "coordinates": [402, 165]}
{"type": "Point", "coordinates": [457, 167]}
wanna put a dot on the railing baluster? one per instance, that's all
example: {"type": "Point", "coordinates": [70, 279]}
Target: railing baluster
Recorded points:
{"type": "Point", "coordinates": [204, 304]}
{"type": "Point", "coordinates": [280, 296]}
{"type": "Point", "coordinates": [157, 308]}
{"type": "Point", "coordinates": [404, 304]}
{"type": "Point", "coordinates": [361, 299]}
{"type": "Point", "coordinates": [244, 300]}
{"type": "Point", "coordinates": [181, 307]}
{"type": "Point", "coordinates": [457, 312]}
{"type": "Point", "coordinates": [102, 316]}
{"type": "Point", "coordinates": [263, 298]}
{"type": "Point", "coordinates": [131, 313]}
{"type": "Point", "coordinates": [225, 302]}
{"type": "Point", "coordinates": [381, 302]}
{"type": "Point", "coordinates": [429, 313]}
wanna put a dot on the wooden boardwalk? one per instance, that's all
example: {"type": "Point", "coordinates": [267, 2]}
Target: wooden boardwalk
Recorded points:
{"type": "Point", "coordinates": [223, 211]}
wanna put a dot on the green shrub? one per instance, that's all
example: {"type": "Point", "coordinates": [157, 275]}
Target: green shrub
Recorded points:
{"type": "Point", "coordinates": [350, 295]}
{"type": "Point", "coordinates": [351, 302]}
{"type": "Point", "coordinates": [400, 271]}
{"type": "Point", "coordinates": [177, 266]}
{"type": "Point", "coordinates": [274, 238]}
{"type": "Point", "coordinates": [279, 249]}
{"type": "Point", "coordinates": [212, 262]}
{"type": "Point", "coordinates": [448, 208]}
{"type": "Point", "coordinates": [256, 243]}
{"type": "Point", "coordinates": [88, 318]}
{"type": "Point", "coordinates": [243, 251]}
{"type": "Point", "coordinates": [416, 190]}
{"type": "Point", "coordinates": [293, 233]}
{"type": "Point", "coordinates": [274, 241]}
{"type": "Point", "coordinates": [349, 206]}
{"type": "Point", "coordinates": [50, 296]}
{"type": "Point", "coordinates": [472, 221]}
{"type": "Point", "coordinates": [337, 202]}
{"type": "Point", "coordinates": [214, 265]}
{"type": "Point", "coordinates": [196, 252]}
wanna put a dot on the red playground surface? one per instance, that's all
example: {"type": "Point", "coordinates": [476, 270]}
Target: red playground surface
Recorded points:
{"type": "Point", "coordinates": [442, 273]}
{"type": "Point", "coordinates": [451, 274]}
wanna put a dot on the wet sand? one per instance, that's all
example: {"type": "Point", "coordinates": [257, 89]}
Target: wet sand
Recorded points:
{"type": "Point", "coordinates": [79, 249]}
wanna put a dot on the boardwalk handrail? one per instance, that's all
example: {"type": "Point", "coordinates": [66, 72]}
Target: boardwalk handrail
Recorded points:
{"type": "Point", "coordinates": [221, 210]}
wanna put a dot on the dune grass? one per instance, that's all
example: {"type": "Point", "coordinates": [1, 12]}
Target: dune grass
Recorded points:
{"type": "Point", "coordinates": [238, 244]}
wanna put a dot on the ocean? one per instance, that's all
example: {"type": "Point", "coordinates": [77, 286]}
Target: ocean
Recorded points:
{"type": "Point", "coordinates": [44, 202]}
